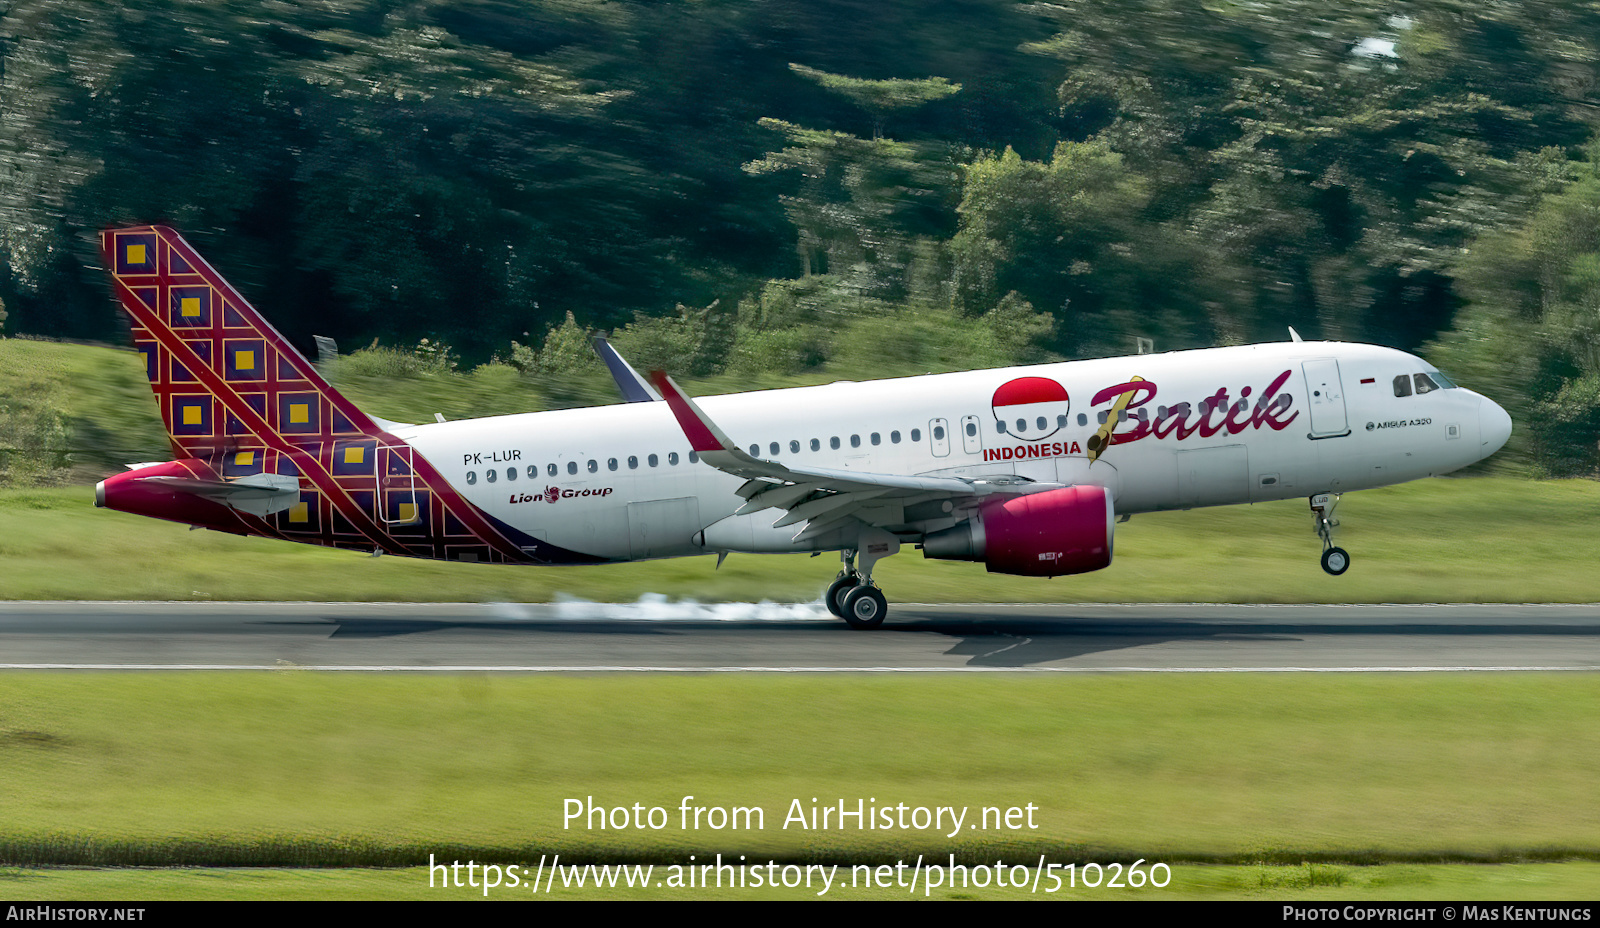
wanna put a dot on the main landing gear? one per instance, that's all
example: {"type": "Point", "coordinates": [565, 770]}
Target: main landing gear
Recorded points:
{"type": "Point", "coordinates": [853, 596]}
{"type": "Point", "coordinates": [1335, 560]}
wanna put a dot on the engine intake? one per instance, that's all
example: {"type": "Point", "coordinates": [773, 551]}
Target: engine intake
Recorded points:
{"type": "Point", "coordinates": [1051, 534]}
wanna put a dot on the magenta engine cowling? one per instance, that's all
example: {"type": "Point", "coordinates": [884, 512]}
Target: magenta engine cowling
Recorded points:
{"type": "Point", "coordinates": [1066, 531]}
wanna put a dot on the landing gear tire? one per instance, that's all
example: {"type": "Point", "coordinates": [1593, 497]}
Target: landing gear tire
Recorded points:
{"type": "Point", "coordinates": [1336, 561]}
{"type": "Point", "coordinates": [865, 607]}
{"type": "Point", "coordinates": [837, 592]}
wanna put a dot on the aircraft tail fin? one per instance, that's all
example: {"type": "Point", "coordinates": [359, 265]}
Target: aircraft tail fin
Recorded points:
{"type": "Point", "coordinates": [225, 379]}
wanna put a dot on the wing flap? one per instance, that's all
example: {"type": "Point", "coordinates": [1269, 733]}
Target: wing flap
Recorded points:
{"type": "Point", "coordinates": [817, 507]}
{"type": "Point", "coordinates": [781, 496]}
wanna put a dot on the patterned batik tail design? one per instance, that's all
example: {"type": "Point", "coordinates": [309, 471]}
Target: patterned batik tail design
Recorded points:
{"type": "Point", "coordinates": [264, 445]}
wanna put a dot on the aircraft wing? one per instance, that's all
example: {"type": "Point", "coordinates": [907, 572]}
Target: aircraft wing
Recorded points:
{"type": "Point", "coordinates": [823, 498]}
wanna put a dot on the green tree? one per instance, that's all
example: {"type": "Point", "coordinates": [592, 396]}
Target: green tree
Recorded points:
{"type": "Point", "coordinates": [881, 98]}
{"type": "Point", "coordinates": [1529, 337]}
{"type": "Point", "coordinates": [1067, 235]}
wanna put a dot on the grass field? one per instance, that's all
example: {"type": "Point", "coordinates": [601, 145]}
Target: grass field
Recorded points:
{"type": "Point", "coordinates": [1305, 882]}
{"type": "Point", "coordinates": [303, 769]}
{"type": "Point", "coordinates": [1444, 540]}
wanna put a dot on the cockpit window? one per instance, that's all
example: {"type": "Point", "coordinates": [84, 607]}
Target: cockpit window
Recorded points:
{"type": "Point", "coordinates": [1445, 383]}
{"type": "Point", "coordinates": [1402, 385]}
{"type": "Point", "coordinates": [1425, 384]}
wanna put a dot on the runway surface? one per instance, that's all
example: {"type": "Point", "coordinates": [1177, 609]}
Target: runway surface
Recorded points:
{"type": "Point", "coordinates": [655, 635]}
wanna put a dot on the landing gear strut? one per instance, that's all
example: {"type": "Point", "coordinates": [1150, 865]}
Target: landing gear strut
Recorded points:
{"type": "Point", "coordinates": [853, 596]}
{"type": "Point", "coordinates": [1335, 560]}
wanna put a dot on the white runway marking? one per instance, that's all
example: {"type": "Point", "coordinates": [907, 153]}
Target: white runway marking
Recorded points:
{"type": "Point", "coordinates": [623, 668]}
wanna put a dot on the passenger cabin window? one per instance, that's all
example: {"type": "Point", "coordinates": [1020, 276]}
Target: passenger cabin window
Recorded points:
{"type": "Point", "coordinates": [551, 470]}
{"type": "Point", "coordinates": [816, 444]}
{"type": "Point", "coordinates": [916, 434]}
{"type": "Point", "coordinates": [489, 475]}
{"type": "Point", "coordinates": [594, 466]}
{"type": "Point", "coordinates": [755, 451]}
{"type": "Point", "coordinates": [794, 447]}
{"type": "Point", "coordinates": [694, 456]}
{"type": "Point", "coordinates": [1061, 421]}
{"type": "Point", "coordinates": [572, 467]}
{"type": "Point", "coordinates": [834, 443]}
{"type": "Point", "coordinates": [633, 462]}
{"type": "Point", "coordinates": [533, 471]}
{"type": "Point", "coordinates": [774, 447]}
{"type": "Point", "coordinates": [894, 438]}
{"type": "Point", "coordinates": [472, 477]}
{"type": "Point", "coordinates": [672, 458]}
{"type": "Point", "coordinates": [1402, 385]}
{"type": "Point", "coordinates": [877, 439]}
{"type": "Point", "coordinates": [855, 441]}
{"type": "Point", "coordinates": [1425, 384]}
{"type": "Point", "coordinates": [1042, 425]}
{"type": "Point", "coordinates": [652, 460]}
{"type": "Point", "coordinates": [511, 473]}
{"type": "Point", "coordinates": [1000, 426]}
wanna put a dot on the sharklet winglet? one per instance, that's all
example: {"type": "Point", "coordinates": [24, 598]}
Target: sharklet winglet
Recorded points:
{"type": "Point", "coordinates": [703, 434]}
{"type": "Point", "coordinates": [635, 389]}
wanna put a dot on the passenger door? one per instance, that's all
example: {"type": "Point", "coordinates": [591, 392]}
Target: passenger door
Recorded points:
{"type": "Point", "coordinates": [1326, 395]}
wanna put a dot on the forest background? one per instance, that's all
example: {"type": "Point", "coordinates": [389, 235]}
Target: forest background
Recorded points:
{"type": "Point", "coordinates": [771, 192]}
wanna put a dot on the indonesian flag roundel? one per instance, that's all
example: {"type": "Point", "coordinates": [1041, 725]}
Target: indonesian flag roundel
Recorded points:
{"type": "Point", "coordinates": [1031, 408]}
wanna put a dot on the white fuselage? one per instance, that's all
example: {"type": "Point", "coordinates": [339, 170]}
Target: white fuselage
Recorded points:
{"type": "Point", "coordinates": [618, 482]}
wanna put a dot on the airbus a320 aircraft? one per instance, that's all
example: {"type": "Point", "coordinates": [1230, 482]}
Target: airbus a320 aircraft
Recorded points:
{"type": "Point", "coordinates": [1024, 470]}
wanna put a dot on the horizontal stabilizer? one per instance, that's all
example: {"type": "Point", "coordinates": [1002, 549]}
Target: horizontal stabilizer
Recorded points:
{"type": "Point", "coordinates": [257, 494]}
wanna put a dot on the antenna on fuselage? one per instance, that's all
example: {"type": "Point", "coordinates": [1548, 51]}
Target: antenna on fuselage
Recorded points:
{"type": "Point", "coordinates": [1294, 336]}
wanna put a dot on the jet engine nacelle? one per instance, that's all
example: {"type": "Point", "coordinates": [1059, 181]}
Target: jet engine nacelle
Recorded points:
{"type": "Point", "coordinates": [1067, 531]}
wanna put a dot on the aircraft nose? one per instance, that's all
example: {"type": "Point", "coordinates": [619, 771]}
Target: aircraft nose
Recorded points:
{"type": "Point", "coordinates": [1494, 425]}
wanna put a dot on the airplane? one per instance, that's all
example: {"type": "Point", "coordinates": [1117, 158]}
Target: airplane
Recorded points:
{"type": "Point", "coordinates": [1025, 470]}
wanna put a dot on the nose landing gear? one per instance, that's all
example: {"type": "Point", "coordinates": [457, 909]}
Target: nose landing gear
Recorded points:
{"type": "Point", "coordinates": [1335, 560]}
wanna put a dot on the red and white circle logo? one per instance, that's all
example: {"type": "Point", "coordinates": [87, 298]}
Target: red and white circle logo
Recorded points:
{"type": "Point", "coordinates": [1031, 408]}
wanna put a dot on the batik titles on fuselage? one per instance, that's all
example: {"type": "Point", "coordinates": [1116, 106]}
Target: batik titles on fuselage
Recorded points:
{"type": "Point", "coordinates": [1216, 413]}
